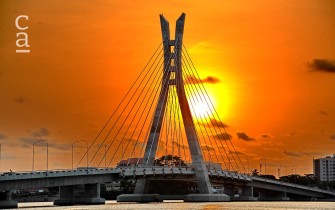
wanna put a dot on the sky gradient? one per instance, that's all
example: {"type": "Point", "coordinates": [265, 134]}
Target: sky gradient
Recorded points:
{"type": "Point", "coordinates": [273, 63]}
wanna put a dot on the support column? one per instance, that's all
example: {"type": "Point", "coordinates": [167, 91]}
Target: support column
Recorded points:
{"type": "Point", "coordinates": [88, 194]}
{"type": "Point", "coordinates": [247, 194]}
{"type": "Point", "coordinates": [6, 201]}
{"type": "Point", "coordinates": [273, 196]}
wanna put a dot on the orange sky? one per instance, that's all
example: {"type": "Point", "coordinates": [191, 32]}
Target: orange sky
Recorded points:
{"type": "Point", "coordinates": [86, 54]}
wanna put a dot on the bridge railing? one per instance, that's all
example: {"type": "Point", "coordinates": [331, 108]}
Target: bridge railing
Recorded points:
{"type": "Point", "coordinates": [293, 185]}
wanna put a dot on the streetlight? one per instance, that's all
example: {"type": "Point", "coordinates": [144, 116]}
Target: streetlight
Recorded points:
{"type": "Point", "coordinates": [247, 160]}
{"type": "Point", "coordinates": [86, 151]}
{"type": "Point", "coordinates": [264, 166]}
{"type": "Point", "coordinates": [122, 152]}
{"type": "Point", "coordinates": [295, 174]}
{"type": "Point", "coordinates": [41, 140]}
{"type": "Point", "coordinates": [105, 155]}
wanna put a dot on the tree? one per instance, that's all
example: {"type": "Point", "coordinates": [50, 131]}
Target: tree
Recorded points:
{"type": "Point", "coordinates": [169, 160]}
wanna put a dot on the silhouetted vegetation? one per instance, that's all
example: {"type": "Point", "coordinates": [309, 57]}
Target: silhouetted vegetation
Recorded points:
{"type": "Point", "coordinates": [308, 180]}
{"type": "Point", "coordinates": [169, 160]}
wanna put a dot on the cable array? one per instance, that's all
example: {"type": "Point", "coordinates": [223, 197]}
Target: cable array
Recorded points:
{"type": "Point", "coordinates": [124, 136]}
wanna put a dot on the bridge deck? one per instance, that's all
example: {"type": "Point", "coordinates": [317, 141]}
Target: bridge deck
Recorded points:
{"type": "Point", "coordinates": [7, 178]}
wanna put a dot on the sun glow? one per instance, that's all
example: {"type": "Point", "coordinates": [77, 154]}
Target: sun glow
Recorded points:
{"type": "Point", "coordinates": [201, 106]}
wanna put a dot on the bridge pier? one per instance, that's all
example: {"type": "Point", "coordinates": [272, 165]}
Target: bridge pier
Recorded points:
{"type": "Point", "coordinates": [273, 196]}
{"type": "Point", "coordinates": [88, 194]}
{"type": "Point", "coordinates": [6, 201]}
{"type": "Point", "coordinates": [247, 194]}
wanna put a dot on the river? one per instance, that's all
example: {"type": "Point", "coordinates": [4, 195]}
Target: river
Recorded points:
{"type": "Point", "coordinates": [175, 205]}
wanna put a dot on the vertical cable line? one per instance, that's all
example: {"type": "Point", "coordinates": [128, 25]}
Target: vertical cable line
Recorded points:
{"type": "Point", "coordinates": [192, 83]}
{"type": "Point", "coordinates": [168, 127]}
{"type": "Point", "coordinates": [153, 114]}
{"type": "Point", "coordinates": [213, 124]}
{"type": "Point", "coordinates": [166, 79]}
{"type": "Point", "coordinates": [195, 101]}
{"type": "Point", "coordinates": [174, 125]}
{"type": "Point", "coordinates": [196, 117]}
{"type": "Point", "coordinates": [180, 134]}
{"type": "Point", "coordinates": [137, 88]}
{"type": "Point", "coordinates": [133, 119]}
{"type": "Point", "coordinates": [103, 128]}
{"type": "Point", "coordinates": [172, 109]}
{"type": "Point", "coordinates": [227, 145]}
{"type": "Point", "coordinates": [160, 140]}
{"type": "Point", "coordinates": [166, 91]}
{"type": "Point", "coordinates": [189, 58]}
{"type": "Point", "coordinates": [146, 105]}
{"type": "Point", "coordinates": [132, 108]}
{"type": "Point", "coordinates": [125, 133]}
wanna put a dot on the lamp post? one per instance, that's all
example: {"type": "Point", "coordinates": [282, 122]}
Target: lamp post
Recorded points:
{"type": "Point", "coordinates": [247, 160]}
{"type": "Point", "coordinates": [264, 166]}
{"type": "Point", "coordinates": [105, 155]}
{"type": "Point", "coordinates": [86, 151]}
{"type": "Point", "coordinates": [41, 140]}
{"type": "Point", "coordinates": [122, 152]}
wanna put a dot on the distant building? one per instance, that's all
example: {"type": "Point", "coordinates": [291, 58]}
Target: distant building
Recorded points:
{"type": "Point", "coordinates": [324, 168]}
{"type": "Point", "coordinates": [130, 162]}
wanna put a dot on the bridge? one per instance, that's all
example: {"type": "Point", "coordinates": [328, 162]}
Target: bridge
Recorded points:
{"type": "Point", "coordinates": [248, 186]}
{"type": "Point", "coordinates": [160, 120]}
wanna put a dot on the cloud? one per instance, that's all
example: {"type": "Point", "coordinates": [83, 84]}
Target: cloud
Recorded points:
{"type": "Point", "coordinates": [332, 137]}
{"type": "Point", "coordinates": [323, 65]}
{"type": "Point", "coordinates": [293, 133]}
{"type": "Point", "coordinates": [292, 154]}
{"type": "Point", "coordinates": [42, 132]}
{"type": "Point", "coordinates": [27, 141]}
{"type": "Point", "coordinates": [215, 123]}
{"type": "Point", "coordinates": [2, 136]}
{"type": "Point", "coordinates": [207, 148]}
{"type": "Point", "coordinates": [21, 100]}
{"type": "Point", "coordinates": [223, 136]}
{"type": "Point", "coordinates": [193, 80]}
{"type": "Point", "coordinates": [266, 136]}
{"type": "Point", "coordinates": [61, 146]}
{"type": "Point", "coordinates": [244, 136]}
{"type": "Point", "coordinates": [323, 112]}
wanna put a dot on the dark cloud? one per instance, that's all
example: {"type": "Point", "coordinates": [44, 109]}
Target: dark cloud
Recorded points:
{"type": "Point", "coordinates": [61, 146]}
{"type": "Point", "coordinates": [179, 145]}
{"type": "Point", "coordinates": [207, 148]}
{"type": "Point", "coordinates": [292, 154]}
{"type": "Point", "coordinates": [332, 136]}
{"type": "Point", "coordinates": [2, 136]}
{"type": "Point", "coordinates": [215, 123]}
{"type": "Point", "coordinates": [26, 141]}
{"type": "Point", "coordinates": [194, 80]}
{"type": "Point", "coordinates": [323, 65]}
{"type": "Point", "coordinates": [42, 132]}
{"type": "Point", "coordinates": [266, 136]}
{"type": "Point", "coordinates": [323, 113]}
{"type": "Point", "coordinates": [21, 100]}
{"type": "Point", "coordinates": [223, 136]}
{"type": "Point", "coordinates": [244, 136]}
{"type": "Point", "coordinates": [293, 133]}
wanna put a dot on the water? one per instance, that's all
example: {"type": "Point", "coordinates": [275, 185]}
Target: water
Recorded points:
{"type": "Point", "coordinates": [174, 205]}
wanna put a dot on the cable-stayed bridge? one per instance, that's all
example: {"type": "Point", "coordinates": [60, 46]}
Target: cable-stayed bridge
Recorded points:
{"type": "Point", "coordinates": [166, 128]}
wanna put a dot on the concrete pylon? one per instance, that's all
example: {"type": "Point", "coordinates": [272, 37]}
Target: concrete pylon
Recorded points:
{"type": "Point", "coordinates": [174, 65]}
